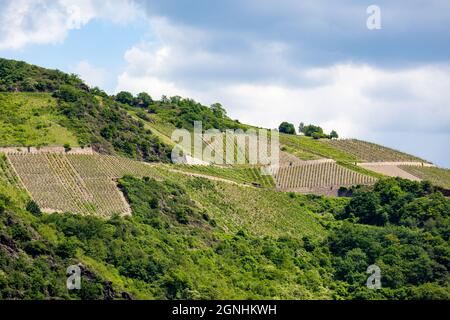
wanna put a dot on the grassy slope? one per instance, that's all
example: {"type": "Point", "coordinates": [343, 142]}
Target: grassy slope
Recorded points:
{"type": "Point", "coordinates": [30, 119]}
{"type": "Point", "coordinates": [307, 148]}
{"type": "Point", "coordinates": [438, 176]}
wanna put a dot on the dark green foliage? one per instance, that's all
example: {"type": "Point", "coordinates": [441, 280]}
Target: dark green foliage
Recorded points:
{"type": "Point", "coordinates": [400, 202]}
{"type": "Point", "coordinates": [67, 93]}
{"type": "Point", "coordinates": [412, 251]}
{"type": "Point", "coordinates": [409, 260]}
{"type": "Point", "coordinates": [125, 98]}
{"type": "Point", "coordinates": [286, 127]}
{"type": "Point", "coordinates": [182, 113]}
{"type": "Point", "coordinates": [218, 110]}
{"type": "Point", "coordinates": [309, 130]}
{"type": "Point", "coordinates": [144, 115]}
{"type": "Point", "coordinates": [316, 132]}
{"type": "Point", "coordinates": [333, 134]}
{"type": "Point", "coordinates": [143, 100]}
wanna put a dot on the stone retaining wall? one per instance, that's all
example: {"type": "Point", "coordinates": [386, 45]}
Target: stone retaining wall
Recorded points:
{"type": "Point", "coordinates": [34, 150]}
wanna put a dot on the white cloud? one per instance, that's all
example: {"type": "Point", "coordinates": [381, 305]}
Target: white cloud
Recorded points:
{"type": "Point", "coordinates": [357, 100]}
{"type": "Point", "coordinates": [92, 75]}
{"type": "Point", "coordinates": [24, 22]}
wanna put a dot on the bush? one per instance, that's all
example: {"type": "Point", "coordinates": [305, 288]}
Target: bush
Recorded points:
{"type": "Point", "coordinates": [333, 135]}
{"type": "Point", "coordinates": [310, 130]}
{"type": "Point", "coordinates": [67, 94]}
{"type": "Point", "coordinates": [286, 127]}
{"type": "Point", "coordinates": [33, 208]}
{"type": "Point", "coordinates": [125, 97]}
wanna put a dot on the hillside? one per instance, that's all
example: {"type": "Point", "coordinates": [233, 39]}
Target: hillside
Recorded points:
{"type": "Point", "coordinates": [86, 179]}
{"type": "Point", "coordinates": [438, 176]}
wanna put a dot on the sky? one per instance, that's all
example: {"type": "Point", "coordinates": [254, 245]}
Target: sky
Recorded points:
{"type": "Point", "coordinates": [265, 61]}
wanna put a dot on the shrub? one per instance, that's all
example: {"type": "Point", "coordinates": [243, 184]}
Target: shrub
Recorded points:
{"type": "Point", "coordinates": [33, 208]}
{"type": "Point", "coordinates": [67, 94]}
{"type": "Point", "coordinates": [286, 127]}
{"type": "Point", "coordinates": [125, 97]}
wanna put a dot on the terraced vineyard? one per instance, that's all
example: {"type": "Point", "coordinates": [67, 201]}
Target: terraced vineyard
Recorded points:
{"type": "Point", "coordinates": [82, 184]}
{"type": "Point", "coordinates": [322, 177]}
{"type": "Point", "coordinates": [244, 175]}
{"type": "Point", "coordinates": [369, 152]}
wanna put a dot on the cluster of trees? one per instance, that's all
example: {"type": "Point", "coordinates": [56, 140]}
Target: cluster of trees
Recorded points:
{"type": "Point", "coordinates": [170, 240]}
{"type": "Point", "coordinates": [310, 130]}
{"type": "Point", "coordinates": [142, 100]}
{"type": "Point", "coordinates": [181, 112]}
{"type": "Point", "coordinates": [400, 202]}
{"type": "Point", "coordinates": [409, 242]}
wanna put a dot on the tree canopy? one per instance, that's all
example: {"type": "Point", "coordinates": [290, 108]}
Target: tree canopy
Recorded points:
{"type": "Point", "coordinates": [286, 127]}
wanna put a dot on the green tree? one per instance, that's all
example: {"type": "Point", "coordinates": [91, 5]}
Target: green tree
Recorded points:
{"type": "Point", "coordinates": [286, 127]}
{"type": "Point", "coordinates": [218, 110]}
{"type": "Point", "coordinates": [33, 208]}
{"type": "Point", "coordinates": [143, 100]}
{"type": "Point", "coordinates": [310, 129]}
{"type": "Point", "coordinates": [334, 135]}
{"type": "Point", "coordinates": [301, 128]}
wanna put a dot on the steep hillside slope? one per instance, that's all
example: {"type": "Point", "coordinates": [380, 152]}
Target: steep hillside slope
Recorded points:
{"type": "Point", "coordinates": [91, 116]}
{"type": "Point", "coordinates": [163, 231]}
{"type": "Point", "coordinates": [32, 119]}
